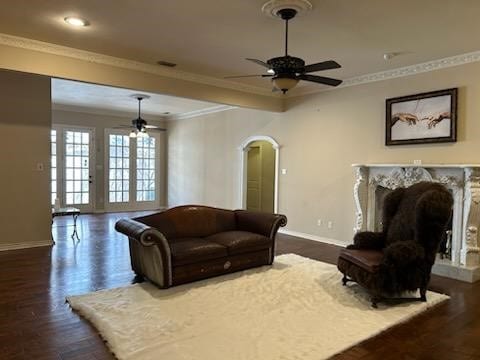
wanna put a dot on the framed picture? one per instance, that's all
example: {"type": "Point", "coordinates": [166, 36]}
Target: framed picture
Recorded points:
{"type": "Point", "coordinates": [422, 118]}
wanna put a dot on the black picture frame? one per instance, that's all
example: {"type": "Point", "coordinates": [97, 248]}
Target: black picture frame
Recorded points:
{"type": "Point", "coordinates": [434, 104]}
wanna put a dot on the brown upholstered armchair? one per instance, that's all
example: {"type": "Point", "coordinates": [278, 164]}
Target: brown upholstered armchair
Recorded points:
{"type": "Point", "coordinates": [401, 256]}
{"type": "Point", "coordinates": [189, 243]}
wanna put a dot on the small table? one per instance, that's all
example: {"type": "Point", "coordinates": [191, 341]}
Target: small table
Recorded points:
{"type": "Point", "coordinates": [68, 211]}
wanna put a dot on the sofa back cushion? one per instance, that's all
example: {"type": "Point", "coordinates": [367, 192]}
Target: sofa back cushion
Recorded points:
{"type": "Point", "coordinates": [191, 221]}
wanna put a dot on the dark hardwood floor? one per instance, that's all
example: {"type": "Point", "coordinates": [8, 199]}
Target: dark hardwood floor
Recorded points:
{"type": "Point", "coordinates": [36, 323]}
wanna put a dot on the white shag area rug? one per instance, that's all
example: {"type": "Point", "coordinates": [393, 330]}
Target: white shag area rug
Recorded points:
{"type": "Point", "coordinates": [295, 310]}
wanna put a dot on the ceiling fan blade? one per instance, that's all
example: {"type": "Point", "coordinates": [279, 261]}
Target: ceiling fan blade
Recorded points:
{"type": "Point", "coordinates": [153, 127]}
{"type": "Point", "coordinates": [123, 127]}
{"type": "Point", "coordinates": [246, 76]}
{"type": "Point", "coordinates": [156, 129]}
{"type": "Point", "coordinates": [325, 65]}
{"type": "Point", "coordinates": [320, 79]}
{"type": "Point", "coordinates": [259, 62]}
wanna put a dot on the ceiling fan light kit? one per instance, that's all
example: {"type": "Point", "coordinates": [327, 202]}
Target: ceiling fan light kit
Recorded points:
{"type": "Point", "coordinates": [286, 71]}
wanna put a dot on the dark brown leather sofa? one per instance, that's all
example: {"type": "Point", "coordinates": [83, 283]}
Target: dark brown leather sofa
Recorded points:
{"type": "Point", "coordinates": [189, 243]}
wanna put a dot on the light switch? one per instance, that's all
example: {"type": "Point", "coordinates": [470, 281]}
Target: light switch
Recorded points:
{"type": "Point", "coordinates": [284, 171]}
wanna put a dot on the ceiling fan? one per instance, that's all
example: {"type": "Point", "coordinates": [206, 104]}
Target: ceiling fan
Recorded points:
{"type": "Point", "coordinates": [139, 125]}
{"type": "Point", "coordinates": [286, 71]}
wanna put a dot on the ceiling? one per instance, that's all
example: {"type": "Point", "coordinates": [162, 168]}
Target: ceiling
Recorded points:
{"type": "Point", "coordinates": [98, 98]}
{"type": "Point", "coordinates": [212, 37]}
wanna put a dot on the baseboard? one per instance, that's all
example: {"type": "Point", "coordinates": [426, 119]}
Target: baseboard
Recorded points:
{"type": "Point", "coordinates": [25, 245]}
{"type": "Point", "coordinates": [312, 237]}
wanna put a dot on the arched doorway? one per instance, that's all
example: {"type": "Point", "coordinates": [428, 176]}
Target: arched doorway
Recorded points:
{"type": "Point", "coordinates": [259, 173]}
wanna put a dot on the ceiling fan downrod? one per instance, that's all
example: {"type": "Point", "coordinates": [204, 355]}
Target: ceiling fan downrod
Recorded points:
{"type": "Point", "coordinates": [286, 14]}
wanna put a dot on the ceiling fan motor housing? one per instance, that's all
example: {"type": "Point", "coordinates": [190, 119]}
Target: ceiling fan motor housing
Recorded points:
{"type": "Point", "coordinates": [139, 123]}
{"type": "Point", "coordinates": [287, 65]}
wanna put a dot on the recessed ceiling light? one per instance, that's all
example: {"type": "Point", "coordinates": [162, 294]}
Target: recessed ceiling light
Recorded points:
{"type": "Point", "coordinates": [76, 21]}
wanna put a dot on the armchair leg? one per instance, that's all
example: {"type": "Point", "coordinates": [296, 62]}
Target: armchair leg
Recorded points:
{"type": "Point", "coordinates": [138, 279]}
{"type": "Point", "coordinates": [423, 294]}
{"type": "Point", "coordinates": [344, 280]}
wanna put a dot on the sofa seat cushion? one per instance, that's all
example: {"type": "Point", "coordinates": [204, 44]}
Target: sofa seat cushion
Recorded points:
{"type": "Point", "coordinates": [192, 250]}
{"type": "Point", "coordinates": [368, 260]}
{"type": "Point", "coordinates": [238, 242]}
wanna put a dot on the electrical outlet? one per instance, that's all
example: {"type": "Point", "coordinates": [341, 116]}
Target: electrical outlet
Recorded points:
{"type": "Point", "coordinates": [284, 171]}
{"type": "Point", "coordinates": [330, 224]}
{"type": "Point", "coordinates": [319, 222]}
{"type": "Point", "coordinates": [417, 162]}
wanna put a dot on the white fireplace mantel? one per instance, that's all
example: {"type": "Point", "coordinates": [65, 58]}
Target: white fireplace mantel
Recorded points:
{"type": "Point", "coordinates": [463, 180]}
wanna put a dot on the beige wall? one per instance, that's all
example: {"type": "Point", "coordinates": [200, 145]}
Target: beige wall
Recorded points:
{"type": "Point", "coordinates": [99, 123]}
{"type": "Point", "coordinates": [57, 61]}
{"type": "Point", "coordinates": [25, 117]}
{"type": "Point", "coordinates": [320, 137]}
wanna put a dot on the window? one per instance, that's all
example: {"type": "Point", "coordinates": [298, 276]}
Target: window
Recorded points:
{"type": "Point", "coordinates": [145, 169]}
{"type": "Point", "coordinates": [53, 165]}
{"type": "Point", "coordinates": [77, 150]}
{"type": "Point", "coordinates": [119, 167]}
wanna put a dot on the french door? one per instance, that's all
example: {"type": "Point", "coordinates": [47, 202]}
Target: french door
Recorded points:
{"type": "Point", "coordinates": [72, 167]}
{"type": "Point", "coordinates": [131, 171]}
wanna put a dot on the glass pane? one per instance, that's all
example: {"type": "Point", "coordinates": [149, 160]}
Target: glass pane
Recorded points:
{"type": "Point", "coordinates": [69, 186]}
{"type": "Point", "coordinates": [69, 198]}
{"type": "Point", "coordinates": [69, 149]}
{"type": "Point", "coordinates": [85, 138]}
{"type": "Point", "coordinates": [69, 137]}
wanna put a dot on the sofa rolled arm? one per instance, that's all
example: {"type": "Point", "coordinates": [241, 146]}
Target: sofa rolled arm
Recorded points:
{"type": "Point", "coordinates": [144, 234]}
{"type": "Point", "coordinates": [265, 224]}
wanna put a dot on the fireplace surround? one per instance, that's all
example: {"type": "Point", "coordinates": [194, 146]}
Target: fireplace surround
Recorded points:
{"type": "Point", "coordinates": [463, 180]}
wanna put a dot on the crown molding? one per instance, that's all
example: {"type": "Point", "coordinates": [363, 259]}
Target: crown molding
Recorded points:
{"type": "Point", "coordinates": [105, 112]}
{"type": "Point", "coordinates": [54, 49]}
{"type": "Point", "coordinates": [206, 111]}
{"type": "Point", "coordinates": [428, 66]}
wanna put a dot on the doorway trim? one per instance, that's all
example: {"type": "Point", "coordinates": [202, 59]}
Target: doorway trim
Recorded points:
{"type": "Point", "coordinates": [243, 149]}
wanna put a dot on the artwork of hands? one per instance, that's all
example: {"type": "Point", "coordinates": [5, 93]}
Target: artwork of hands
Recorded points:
{"type": "Point", "coordinates": [412, 119]}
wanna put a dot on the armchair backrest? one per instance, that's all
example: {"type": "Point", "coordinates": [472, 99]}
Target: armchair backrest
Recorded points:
{"type": "Point", "coordinates": [420, 212]}
{"type": "Point", "coordinates": [190, 221]}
